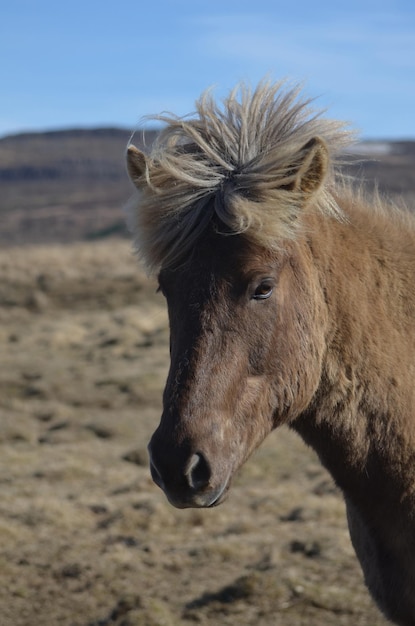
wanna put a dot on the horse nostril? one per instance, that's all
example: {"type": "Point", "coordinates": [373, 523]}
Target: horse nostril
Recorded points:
{"type": "Point", "coordinates": [156, 476]}
{"type": "Point", "coordinates": [198, 471]}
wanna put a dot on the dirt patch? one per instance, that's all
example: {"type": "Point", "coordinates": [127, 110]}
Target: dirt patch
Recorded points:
{"type": "Point", "coordinates": [86, 538]}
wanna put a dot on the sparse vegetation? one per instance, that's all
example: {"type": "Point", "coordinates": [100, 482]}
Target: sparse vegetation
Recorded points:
{"type": "Point", "coordinates": [86, 538]}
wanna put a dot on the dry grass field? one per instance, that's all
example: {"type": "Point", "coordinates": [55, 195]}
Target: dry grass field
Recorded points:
{"type": "Point", "coordinates": [86, 539]}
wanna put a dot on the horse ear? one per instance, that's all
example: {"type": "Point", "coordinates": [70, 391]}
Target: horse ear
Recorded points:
{"type": "Point", "coordinates": [136, 164]}
{"type": "Point", "coordinates": [312, 171]}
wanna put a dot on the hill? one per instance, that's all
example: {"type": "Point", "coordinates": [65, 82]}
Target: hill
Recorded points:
{"type": "Point", "coordinates": [71, 185]}
{"type": "Point", "coordinates": [63, 186]}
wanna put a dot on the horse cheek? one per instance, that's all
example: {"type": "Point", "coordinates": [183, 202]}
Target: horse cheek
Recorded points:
{"type": "Point", "coordinates": [298, 348]}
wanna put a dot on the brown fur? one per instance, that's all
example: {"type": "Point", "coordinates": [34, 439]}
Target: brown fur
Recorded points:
{"type": "Point", "coordinates": [297, 308]}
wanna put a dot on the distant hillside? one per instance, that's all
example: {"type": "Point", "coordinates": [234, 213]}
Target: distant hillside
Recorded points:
{"type": "Point", "coordinates": [71, 185]}
{"type": "Point", "coordinates": [63, 185]}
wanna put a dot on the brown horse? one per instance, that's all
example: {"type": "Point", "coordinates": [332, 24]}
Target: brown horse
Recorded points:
{"type": "Point", "coordinates": [291, 300]}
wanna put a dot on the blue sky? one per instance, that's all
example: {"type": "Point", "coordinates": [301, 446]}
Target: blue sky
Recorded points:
{"type": "Point", "coordinates": [90, 63]}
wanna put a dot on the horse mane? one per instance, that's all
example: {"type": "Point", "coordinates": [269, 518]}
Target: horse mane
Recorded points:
{"type": "Point", "coordinates": [234, 162]}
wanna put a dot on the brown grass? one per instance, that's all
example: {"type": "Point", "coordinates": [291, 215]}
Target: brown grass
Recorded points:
{"type": "Point", "coordinates": [86, 539]}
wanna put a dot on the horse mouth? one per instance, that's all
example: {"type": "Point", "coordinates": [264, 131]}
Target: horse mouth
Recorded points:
{"type": "Point", "coordinates": [199, 500]}
{"type": "Point", "coordinates": [221, 496]}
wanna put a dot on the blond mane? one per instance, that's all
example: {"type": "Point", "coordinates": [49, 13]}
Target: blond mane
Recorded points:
{"type": "Point", "coordinates": [236, 161]}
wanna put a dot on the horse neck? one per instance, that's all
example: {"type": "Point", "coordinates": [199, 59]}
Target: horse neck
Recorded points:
{"type": "Point", "coordinates": [362, 419]}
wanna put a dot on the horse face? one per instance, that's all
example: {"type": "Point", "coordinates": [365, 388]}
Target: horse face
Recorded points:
{"type": "Point", "coordinates": [240, 365]}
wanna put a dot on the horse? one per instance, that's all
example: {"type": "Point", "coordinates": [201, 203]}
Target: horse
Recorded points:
{"type": "Point", "coordinates": [291, 300]}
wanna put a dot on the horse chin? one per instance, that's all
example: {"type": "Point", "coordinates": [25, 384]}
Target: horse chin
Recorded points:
{"type": "Point", "coordinates": [221, 497]}
{"type": "Point", "coordinates": [206, 500]}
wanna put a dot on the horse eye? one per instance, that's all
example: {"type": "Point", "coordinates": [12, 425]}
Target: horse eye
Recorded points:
{"type": "Point", "coordinates": [263, 290]}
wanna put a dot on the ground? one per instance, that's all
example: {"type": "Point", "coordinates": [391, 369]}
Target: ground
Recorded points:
{"type": "Point", "coordinates": [86, 538]}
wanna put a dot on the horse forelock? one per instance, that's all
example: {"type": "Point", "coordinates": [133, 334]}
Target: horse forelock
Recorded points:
{"type": "Point", "coordinates": [232, 161]}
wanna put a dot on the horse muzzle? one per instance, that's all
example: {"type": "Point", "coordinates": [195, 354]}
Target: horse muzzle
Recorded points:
{"type": "Point", "coordinates": [186, 476]}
